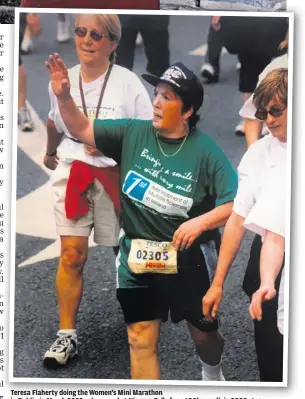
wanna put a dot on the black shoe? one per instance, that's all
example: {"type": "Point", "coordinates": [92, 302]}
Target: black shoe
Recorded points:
{"type": "Point", "coordinates": [208, 74]}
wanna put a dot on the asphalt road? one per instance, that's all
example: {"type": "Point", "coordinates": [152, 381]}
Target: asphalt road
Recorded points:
{"type": "Point", "coordinates": [104, 349]}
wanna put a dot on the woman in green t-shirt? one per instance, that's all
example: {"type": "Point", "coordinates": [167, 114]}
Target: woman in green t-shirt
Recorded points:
{"type": "Point", "coordinates": [177, 188]}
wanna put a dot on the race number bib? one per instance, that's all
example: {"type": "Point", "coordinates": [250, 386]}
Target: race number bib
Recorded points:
{"type": "Point", "coordinates": [152, 257]}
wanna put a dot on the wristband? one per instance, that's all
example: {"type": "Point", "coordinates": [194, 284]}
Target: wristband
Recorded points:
{"type": "Point", "coordinates": [51, 154]}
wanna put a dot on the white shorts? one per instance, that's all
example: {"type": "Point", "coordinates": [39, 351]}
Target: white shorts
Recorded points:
{"type": "Point", "coordinates": [101, 216]}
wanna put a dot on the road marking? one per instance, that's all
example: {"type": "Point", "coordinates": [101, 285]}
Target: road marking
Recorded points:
{"type": "Point", "coordinates": [35, 211]}
{"type": "Point", "coordinates": [202, 50]}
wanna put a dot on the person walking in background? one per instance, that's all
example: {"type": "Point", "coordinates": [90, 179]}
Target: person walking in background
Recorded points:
{"type": "Point", "coordinates": [62, 35]}
{"type": "Point", "coordinates": [30, 21]}
{"type": "Point", "coordinates": [246, 37]}
{"type": "Point", "coordinates": [154, 31]}
{"type": "Point", "coordinates": [85, 182]}
{"type": "Point", "coordinates": [211, 68]}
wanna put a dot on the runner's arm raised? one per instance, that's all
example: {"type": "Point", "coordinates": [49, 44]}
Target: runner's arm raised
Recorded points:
{"type": "Point", "coordinates": [77, 123]}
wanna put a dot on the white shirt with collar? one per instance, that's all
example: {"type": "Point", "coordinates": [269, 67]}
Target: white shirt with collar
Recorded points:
{"type": "Point", "coordinates": [261, 197]}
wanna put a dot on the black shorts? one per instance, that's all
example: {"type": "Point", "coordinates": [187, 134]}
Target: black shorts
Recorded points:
{"type": "Point", "coordinates": [180, 294]}
{"type": "Point", "coordinates": [268, 339]}
{"type": "Point", "coordinates": [252, 280]}
{"type": "Point", "coordinates": [252, 64]}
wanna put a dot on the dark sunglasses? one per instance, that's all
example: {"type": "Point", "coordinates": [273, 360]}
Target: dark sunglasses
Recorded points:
{"type": "Point", "coordinates": [262, 113]}
{"type": "Point", "coordinates": [94, 34]}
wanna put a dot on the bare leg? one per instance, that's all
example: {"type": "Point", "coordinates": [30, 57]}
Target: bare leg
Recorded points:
{"type": "Point", "coordinates": [26, 43]}
{"type": "Point", "coordinates": [63, 28]}
{"type": "Point", "coordinates": [143, 340]}
{"type": "Point", "coordinates": [21, 87]}
{"type": "Point", "coordinates": [240, 128]}
{"type": "Point", "coordinates": [62, 17]}
{"type": "Point", "coordinates": [246, 96]}
{"type": "Point", "coordinates": [69, 278]}
{"type": "Point", "coordinates": [209, 346]}
{"type": "Point", "coordinates": [253, 129]}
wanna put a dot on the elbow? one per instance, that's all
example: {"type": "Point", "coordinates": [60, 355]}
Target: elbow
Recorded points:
{"type": "Point", "coordinates": [50, 124]}
{"type": "Point", "coordinates": [236, 222]}
{"type": "Point", "coordinates": [86, 135]}
{"type": "Point", "coordinates": [228, 211]}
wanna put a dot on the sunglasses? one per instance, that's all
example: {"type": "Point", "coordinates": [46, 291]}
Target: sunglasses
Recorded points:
{"type": "Point", "coordinates": [94, 34]}
{"type": "Point", "coordinates": [262, 113]}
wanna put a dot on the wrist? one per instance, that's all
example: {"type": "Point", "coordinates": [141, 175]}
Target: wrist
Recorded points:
{"type": "Point", "coordinates": [267, 284]}
{"type": "Point", "coordinates": [202, 223]}
{"type": "Point", "coordinates": [217, 284]}
{"type": "Point", "coordinates": [51, 154]}
{"type": "Point", "coordinates": [64, 99]}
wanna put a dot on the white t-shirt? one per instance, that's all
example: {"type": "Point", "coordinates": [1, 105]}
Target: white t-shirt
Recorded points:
{"type": "Point", "coordinates": [254, 170]}
{"type": "Point", "coordinates": [248, 110]}
{"type": "Point", "coordinates": [268, 213]}
{"type": "Point", "coordinates": [124, 97]}
{"type": "Point", "coordinates": [261, 196]}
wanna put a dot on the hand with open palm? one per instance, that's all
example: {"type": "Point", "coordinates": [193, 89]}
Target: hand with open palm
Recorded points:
{"type": "Point", "coordinates": [59, 77]}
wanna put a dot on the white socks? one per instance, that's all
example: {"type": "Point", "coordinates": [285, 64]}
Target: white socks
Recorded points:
{"type": "Point", "coordinates": [211, 373]}
{"type": "Point", "coordinates": [71, 332]}
{"type": "Point", "coordinates": [27, 44]}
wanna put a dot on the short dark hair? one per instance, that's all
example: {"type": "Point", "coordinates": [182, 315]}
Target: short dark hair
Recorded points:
{"type": "Point", "coordinates": [186, 106]}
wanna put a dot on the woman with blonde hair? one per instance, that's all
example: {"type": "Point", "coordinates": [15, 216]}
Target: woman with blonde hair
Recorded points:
{"type": "Point", "coordinates": [85, 182]}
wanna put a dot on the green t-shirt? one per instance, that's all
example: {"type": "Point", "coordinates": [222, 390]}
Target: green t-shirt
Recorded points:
{"type": "Point", "coordinates": [158, 192]}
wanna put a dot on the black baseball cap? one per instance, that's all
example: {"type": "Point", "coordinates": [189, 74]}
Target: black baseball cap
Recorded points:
{"type": "Point", "coordinates": [183, 81]}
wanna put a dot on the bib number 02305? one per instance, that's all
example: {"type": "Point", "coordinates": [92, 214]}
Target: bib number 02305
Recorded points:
{"type": "Point", "coordinates": [152, 257]}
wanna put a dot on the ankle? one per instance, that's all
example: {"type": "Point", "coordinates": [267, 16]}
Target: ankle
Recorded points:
{"type": "Point", "coordinates": [67, 331]}
{"type": "Point", "coordinates": [211, 373]}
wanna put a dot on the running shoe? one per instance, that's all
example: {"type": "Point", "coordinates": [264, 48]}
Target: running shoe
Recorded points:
{"type": "Point", "coordinates": [64, 348]}
{"type": "Point", "coordinates": [25, 120]}
{"type": "Point", "coordinates": [279, 6]}
{"type": "Point", "coordinates": [26, 45]}
{"type": "Point", "coordinates": [63, 31]}
{"type": "Point", "coordinates": [240, 128]}
{"type": "Point", "coordinates": [208, 73]}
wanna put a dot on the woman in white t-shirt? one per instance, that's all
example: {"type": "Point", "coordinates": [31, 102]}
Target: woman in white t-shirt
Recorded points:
{"type": "Point", "coordinates": [256, 170]}
{"type": "Point", "coordinates": [85, 182]}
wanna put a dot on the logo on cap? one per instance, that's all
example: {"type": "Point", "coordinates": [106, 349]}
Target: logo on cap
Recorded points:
{"type": "Point", "coordinates": [173, 74]}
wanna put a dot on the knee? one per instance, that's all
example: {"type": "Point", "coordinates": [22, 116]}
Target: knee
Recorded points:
{"type": "Point", "coordinates": [143, 336]}
{"type": "Point", "coordinates": [73, 259]}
